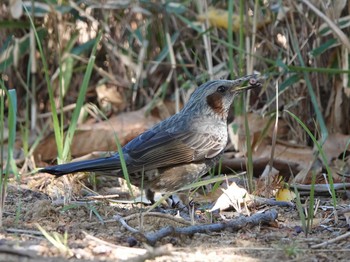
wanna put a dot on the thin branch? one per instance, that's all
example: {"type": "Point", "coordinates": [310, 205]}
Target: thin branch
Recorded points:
{"type": "Point", "coordinates": [231, 225]}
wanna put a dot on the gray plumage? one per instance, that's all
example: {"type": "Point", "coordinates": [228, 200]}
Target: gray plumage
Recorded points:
{"type": "Point", "coordinates": [178, 150]}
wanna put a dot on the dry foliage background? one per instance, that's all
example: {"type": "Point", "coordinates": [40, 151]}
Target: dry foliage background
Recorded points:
{"type": "Point", "coordinates": [153, 54]}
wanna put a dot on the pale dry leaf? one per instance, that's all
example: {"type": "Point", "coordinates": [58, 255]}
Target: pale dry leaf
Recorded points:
{"type": "Point", "coordinates": [237, 130]}
{"type": "Point", "coordinates": [335, 145]}
{"type": "Point", "coordinates": [305, 175]}
{"type": "Point", "coordinates": [269, 173]}
{"type": "Point", "coordinates": [347, 217]}
{"type": "Point", "coordinates": [267, 181]}
{"type": "Point", "coordinates": [16, 8]}
{"type": "Point", "coordinates": [341, 167]}
{"type": "Point", "coordinates": [109, 96]}
{"type": "Point", "coordinates": [234, 196]}
{"type": "Point", "coordinates": [260, 130]}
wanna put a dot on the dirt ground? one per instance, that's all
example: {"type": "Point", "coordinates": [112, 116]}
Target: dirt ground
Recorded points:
{"type": "Point", "coordinates": [93, 234]}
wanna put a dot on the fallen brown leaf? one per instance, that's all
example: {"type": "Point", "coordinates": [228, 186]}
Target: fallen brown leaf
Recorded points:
{"type": "Point", "coordinates": [100, 136]}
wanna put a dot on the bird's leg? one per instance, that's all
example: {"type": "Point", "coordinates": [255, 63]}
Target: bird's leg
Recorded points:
{"type": "Point", "coordinates": [150, 196]}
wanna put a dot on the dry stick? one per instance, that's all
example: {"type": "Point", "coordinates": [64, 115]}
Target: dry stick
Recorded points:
{"type": "Point", "coordinates": [320, 188]}
{"type": "Point", "coordinates": [271, 202]}
{"type": "Point", "coordinates": [102, 197]}
{"type": "Point", "coordinates": [124, 224]}
{"type": "Point", "coordinates": [232, 225]}
{"type": "Point", "coordinates": [123, 220]}
{"type": "Point", "coordinates": [19, 253]}
{"type": "Point", "coordinates": [344, 236]}
{"type": "Point", "coordinates": [59, 111]}
{"type": "Point", "coordinates": [24, 231]}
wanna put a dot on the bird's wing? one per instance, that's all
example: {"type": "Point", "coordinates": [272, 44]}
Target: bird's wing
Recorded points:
{"type": "Point", "coordinates": [161, 149]}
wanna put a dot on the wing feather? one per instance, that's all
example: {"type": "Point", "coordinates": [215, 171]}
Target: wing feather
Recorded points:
{"type": "Point", "coordinates": [155, 150]}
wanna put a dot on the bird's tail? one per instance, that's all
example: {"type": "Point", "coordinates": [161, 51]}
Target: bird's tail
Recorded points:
{"type": "Point", "coordinates": [106, 164]}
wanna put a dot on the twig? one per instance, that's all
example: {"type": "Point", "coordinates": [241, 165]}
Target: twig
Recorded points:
{"type": "Point", "coordinates": [232, 225]}
{"type": "Point", "coordinates": [346, 235]}
{"type": "Point", "coordinates": [270, 202]}
{"type": "Point", "coordinates": [124, 224]}
{"type": "Point", "coordinates": [320, 188]}
{"type": "Point", "coordinates": [24, 231]}
{"type": "Point", "coordinates": [102, 197]}
{"type": "Point", "coordinates": [20, 253]}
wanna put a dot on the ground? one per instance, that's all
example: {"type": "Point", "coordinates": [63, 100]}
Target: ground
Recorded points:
{"type": "Point", "coordinates": [92, 237]}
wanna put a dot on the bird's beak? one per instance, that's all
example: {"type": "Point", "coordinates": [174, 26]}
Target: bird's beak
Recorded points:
{"type": "Point", "coordinates": [237, 83]}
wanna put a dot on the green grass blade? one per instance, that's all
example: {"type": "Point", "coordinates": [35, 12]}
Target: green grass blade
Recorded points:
{"type": "Point", "coordinates": [124, 167]}
{"type": "Point", "coordinates": [10, 162]}
{"type": "Point", "coordinates": [80, 100]}
{"type": "Point", "coordinates": [321, 152]}
{"type": "Point", "coordinates": [12, 129]}
{"type": "Point", "coordinates": [300, 210]}
{"type": "Point", "coordinates": [319, 116]}
{"type": "Point", "coordinates": [324, 47]}
{"type": "Point", "coordinates": [57, 131]}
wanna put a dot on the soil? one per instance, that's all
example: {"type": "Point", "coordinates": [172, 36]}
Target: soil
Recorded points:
{"type": "Point", "coordinates": [92, 234]}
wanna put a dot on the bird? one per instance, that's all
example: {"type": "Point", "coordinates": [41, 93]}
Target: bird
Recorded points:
{"type": "Point", "coordinates": [177, 151]}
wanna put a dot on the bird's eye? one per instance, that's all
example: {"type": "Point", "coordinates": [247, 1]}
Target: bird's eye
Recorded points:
{"type": "Point", "coordinates": [221, 89]}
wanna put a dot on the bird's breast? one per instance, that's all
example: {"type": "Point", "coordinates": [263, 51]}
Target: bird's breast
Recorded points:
{"type": "Point", "coordinates": [211, 127]}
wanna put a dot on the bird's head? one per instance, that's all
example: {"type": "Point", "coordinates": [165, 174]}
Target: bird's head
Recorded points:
{"type": "Point", "coordinates": [215, 97]}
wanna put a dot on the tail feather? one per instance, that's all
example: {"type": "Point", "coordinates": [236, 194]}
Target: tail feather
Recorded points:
{"type": "Point", "coordinates": [100, 164]}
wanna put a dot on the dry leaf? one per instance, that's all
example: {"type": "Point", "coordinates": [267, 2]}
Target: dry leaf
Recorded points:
{"type": "Point", "coordinates": [16, 8]}
{"type": "Point", "coordinates": [233, 196]}
{"type": "Point", "coordinates": [109, 96]}
{"type": "Point", "coordinates": [285, 195]}
{"type": "Point", "coordinates": [335, 145]}
{"type": "Point", "coordinates": [100, 136]}
{"type": "Point", "coordinates": [220, 18]}
{"type": "Point", "coordinates": [260, 130]}
{"type": "Point", "coordinates": [294, 156]}
{"type": "Point", "coordinates": [268, 182]}
{"type": "Point", "coordinates": [347, 217]}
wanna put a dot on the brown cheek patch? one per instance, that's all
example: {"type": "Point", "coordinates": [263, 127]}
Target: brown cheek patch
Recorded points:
{"type": "Point", "coordinates": [215, 102]}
